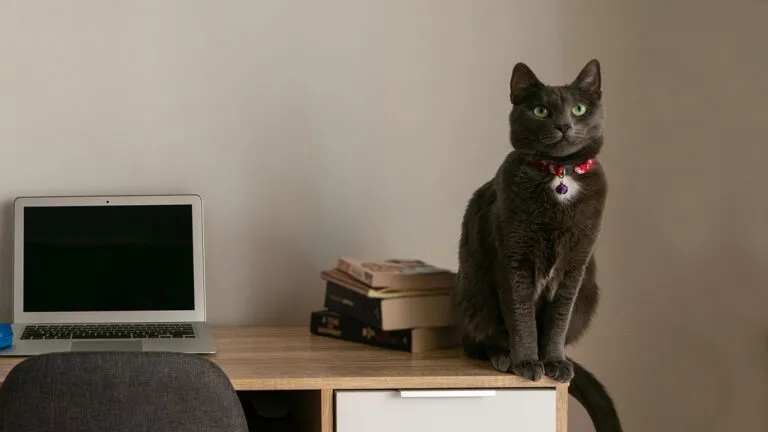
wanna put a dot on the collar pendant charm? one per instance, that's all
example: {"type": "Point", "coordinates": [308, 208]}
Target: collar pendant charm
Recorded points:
{"type": "Point", "coordinates": [561, 189]}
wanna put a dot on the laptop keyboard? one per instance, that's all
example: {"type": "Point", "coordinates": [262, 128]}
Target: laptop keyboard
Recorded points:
{"type": "Point", "coordinates": [109, 331]}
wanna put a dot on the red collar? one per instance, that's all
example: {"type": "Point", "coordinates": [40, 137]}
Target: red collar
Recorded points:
{"type": "Point", "coordinates": [564, 170]}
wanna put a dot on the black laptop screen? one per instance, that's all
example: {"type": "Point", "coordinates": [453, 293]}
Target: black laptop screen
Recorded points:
{"type": "Point", "coordinates": [108, 258]}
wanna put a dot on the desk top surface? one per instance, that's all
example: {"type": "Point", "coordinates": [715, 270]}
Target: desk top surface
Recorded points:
{"type": "Point", "coordinates": [291, 358]}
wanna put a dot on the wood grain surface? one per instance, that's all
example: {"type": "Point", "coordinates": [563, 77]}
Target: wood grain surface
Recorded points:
{"type": "Point", "coordinates": [562, 409]}
{"type": "Point", "coordinates": [291, 358]}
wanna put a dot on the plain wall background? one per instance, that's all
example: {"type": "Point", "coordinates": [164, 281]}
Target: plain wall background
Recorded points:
{"type": "Point", "coordinates": [314, 129]}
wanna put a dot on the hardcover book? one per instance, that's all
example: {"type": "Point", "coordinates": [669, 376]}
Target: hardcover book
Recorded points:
{"type": "Point", "coordinates": [340, 278]}
{"type": "Point", "coordinates": [335, 325]}
{"type": "Point", "coordinates": [397, 273]}
{"type": "Point", "coordinates": [389, 313]}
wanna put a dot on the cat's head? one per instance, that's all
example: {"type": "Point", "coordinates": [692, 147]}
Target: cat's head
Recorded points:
{"type": "Point", "coordinates": [556, 122]}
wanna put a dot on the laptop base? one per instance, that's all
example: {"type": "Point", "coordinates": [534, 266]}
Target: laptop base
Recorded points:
{"type": "Point", "coordinates": [202, 343]}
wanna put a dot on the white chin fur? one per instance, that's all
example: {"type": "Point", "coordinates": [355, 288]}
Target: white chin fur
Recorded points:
{"type": "Point", "coordinates": [571, 183]}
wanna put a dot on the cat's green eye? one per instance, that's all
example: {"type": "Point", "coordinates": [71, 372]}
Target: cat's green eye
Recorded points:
{"type": "Point", "coordinates": [579, 109]}
{"type": "Point", "coordinates": [540, 111]}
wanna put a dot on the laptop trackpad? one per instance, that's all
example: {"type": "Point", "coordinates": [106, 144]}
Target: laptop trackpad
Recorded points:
{"type": "Point", "coordinates": [134, 345]}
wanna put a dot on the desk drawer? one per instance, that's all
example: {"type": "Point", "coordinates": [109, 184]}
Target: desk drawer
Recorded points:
{"type": "Point", "coordinates": [514, 410]}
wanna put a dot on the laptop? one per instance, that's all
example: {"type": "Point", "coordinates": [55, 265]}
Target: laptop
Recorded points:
{"type": "Point", "coordinates": [109, 273]}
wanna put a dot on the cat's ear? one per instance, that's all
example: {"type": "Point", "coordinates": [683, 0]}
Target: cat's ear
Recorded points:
{"type": "Point", "coordinates": [589, 79]}
{"type": "Point", "coordinates": [523, 81]}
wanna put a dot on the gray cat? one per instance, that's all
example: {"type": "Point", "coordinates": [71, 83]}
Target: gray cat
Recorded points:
{"type": "Point", "coordinates": [526, 280]}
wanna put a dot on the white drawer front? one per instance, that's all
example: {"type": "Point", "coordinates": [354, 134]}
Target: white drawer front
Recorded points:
{"type": "Point", "coordinates": [518, 410]}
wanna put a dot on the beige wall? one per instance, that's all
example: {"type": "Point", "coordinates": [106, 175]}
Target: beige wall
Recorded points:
{"type": "Point", "coordinates": [314, 129]}
{"type": "Point", "coordinates": [681, 336]}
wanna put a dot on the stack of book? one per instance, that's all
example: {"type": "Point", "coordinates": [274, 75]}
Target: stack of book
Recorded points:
{"type": "Point", "coordinates": [403, 305]}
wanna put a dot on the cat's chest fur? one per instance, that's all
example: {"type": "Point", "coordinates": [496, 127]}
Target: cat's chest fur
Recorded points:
{"type": "Point", "coordinates": [558, 223]}
{"type": "Point", "coordinates": [573, 188]}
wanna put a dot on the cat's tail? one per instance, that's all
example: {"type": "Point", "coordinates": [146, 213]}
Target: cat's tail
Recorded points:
{"type": "Point", "coordinates": [591, 394]}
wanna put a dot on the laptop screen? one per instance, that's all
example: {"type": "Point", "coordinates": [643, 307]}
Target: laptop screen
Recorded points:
{"type": "Point", "coordinates": [108, 258]}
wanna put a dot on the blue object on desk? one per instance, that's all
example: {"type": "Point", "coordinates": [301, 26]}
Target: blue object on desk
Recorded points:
{"type": "Point", "coordinates": [6, 336]}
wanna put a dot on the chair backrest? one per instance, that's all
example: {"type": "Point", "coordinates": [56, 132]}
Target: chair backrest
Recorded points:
{"type": "Point", "coordinates": [119, 391]}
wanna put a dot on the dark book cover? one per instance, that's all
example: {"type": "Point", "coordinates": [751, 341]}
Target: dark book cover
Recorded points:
{"type": "Point", "coordinates": [353, 304]}
{"type": "Point", "coordinates": [335, 325]}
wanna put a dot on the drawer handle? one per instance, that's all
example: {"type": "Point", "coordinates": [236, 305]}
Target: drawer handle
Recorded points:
{"type": "Point", "coordinates": [447, 393]}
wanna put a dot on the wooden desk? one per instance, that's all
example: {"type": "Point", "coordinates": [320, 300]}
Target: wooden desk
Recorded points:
{"type": "Point", "coordinates": [311, 368]}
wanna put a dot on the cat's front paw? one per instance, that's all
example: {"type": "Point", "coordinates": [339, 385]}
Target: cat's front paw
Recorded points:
{"type": "Point", "coordinates": [500, 361]}
{"type": "Point", "coordinates": [532, 370]}
{"type": "Point", "coordinates": [559, 370]}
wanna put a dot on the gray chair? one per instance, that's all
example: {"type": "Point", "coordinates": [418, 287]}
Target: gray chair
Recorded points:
{"type": "Point", "coordinates": [117, 392]}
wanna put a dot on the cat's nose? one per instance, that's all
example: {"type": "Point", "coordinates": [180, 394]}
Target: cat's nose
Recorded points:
{"type": "Point", "coordinates": [563, 128]}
